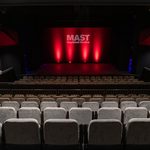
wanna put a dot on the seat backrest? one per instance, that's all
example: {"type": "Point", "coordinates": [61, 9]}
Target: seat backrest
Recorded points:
{"type": "Point", "coordinates": [36, 99]}
{"type": "Point", "coordinates": [134, 112]}
{"type": "Point", "coordinates": [61, 132]}
{"type": "Point", "coordinates": [78, 100]}
{"type": "Point", "coordinates": [4, 99]}
{"type": "Point", "coordinates": [29, 104]}
{"type": "Point", "coordinates": [62, 99]}
{"type": "Point", "coordinates": [45, 104]}
{"type": "Point", "coordinates": [68, 105]}
{"type": "Point", "coordinates": [21, 131]}
{"type": "Point", "coordinates": [47, 99]}
{"type": "Point", "coordinates": [138, 100]}
{"type": "Point", "coordinates": [105, 132]}
{"type": "Point", "coordinates": [138, 131]}
{"type": "Point", "coordinates": [7, 113]}
{"type": "Point", "coordinates": [114, 99]}
{"type": "Point", "coordinates": [82, 115]}
{"type": "Point", "coordinates": [109, 113]}
{"type": "Point", "coordinates": [109, 104]}
{"type": "Point", "coordinates": [13, 104]}
{"type": "Point", "coordinates": [18, 99]}
{"type": "Point", "coordinates": [96, 99]}
{"type": "Point", "coordinates": [125, 104]}
{"type": "Point", "coordinates": [54, 113]}
{"type": "Point", "coordinates": [30, 112]}
{"type": "Point", "coordinates": [94, 106]}
{"type": "Point", "coordinates": [145, 104]}
{"type": "Point", "coordinates": [127, 99]}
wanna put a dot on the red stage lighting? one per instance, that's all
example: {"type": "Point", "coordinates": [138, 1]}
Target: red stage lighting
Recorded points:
{"type": "Point", "coordinates": [70, 47]}
{"type": "Point", "coordinates": [85, 45]}
{"type": "Point", "coordinates": [57, 41]}
{"type": "Point", "coordinates": [97, 45]}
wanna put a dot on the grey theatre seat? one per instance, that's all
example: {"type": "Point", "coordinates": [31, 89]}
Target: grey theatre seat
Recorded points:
{"type": "Point", "coordinates": [21, 132]}
{"type": "Point", "coordinates": [138, 131]}
{"type": "Point", "coordinates": [30, 112]}
{"type": "Point", "coordinates": [61, 132]}
{"type": "Point", "coordinates": [29, 104]}
{"type": "Point", "coordinates": [134, 112]}
{"type": "Point", "coordinates": [125, 104]}
{"type": "Point", "coordinates": [94, 106]}
{"type": "Point", "coordinates": [68, 105]}
{"type": "Point", "coordinates": [13, 104]}
{"type": "Point", "coordinates": [82, 115]}
{"type": "Point", "coordinates": [105, 132]}
{"type": "Point", "coordinates": [54, 113]}
{"type": "Point", "coordinates": [7, 113]}
{"type": "Point", "coordinates": [145, 104]}
{"type": "Point", "coordinates": [109, 113]}
{"type": "Point", "coordinates": [109, 104]}
{"type": "Point", "coordinates": [45, 104]}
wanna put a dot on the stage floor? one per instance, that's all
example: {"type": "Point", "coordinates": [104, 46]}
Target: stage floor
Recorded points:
{"type": "Point", "coordinates": [77, 69]}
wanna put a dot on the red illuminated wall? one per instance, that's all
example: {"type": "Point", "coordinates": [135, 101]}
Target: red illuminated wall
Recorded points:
{"type": "Point", "coordinates": [77, 45]}
{"type": "Point", "coordinates": [8, 39]}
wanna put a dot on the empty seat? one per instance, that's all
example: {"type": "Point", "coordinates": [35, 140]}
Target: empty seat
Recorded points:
{"type": "Point", "coordinates": [18, 99]}
{"type": "Point", "coordinates": [79, 101]}
{"type": "Point", "coordinates": [104, 132]}
{"type": "Point", "coordinates": [82, 115]}
{"type": "Point", "coordinates": [30, 112]}
{"type": "Point", "coordinates": [96, 99]}
{"type": "Point", "coordinates": [45, 104]}
{"type": "Point", "coordinates": [145, 104]}
{"type": "Point", "coordinates": [19, 96]}
{"type": "Point", "coordinates": [7, 113]}
{"type": "Point", "coordinates": [110, 96]}
{"type": "Point", "coordinates": [36, 99]}
{"type": "Point", "coordinates": [68, 105]}
{"type": "Point", "coordinates": [115, 99]}
{"type": "Point", "coordinates": [98, 96]}
{"type": "Point", "coordinates": [134, 112]}
{"type": "Point", "coordinates": [13, 104]}
{"type": "Point", "coordinates": [47, 99]}
{"type": "Point", "coordinates": [125, 104]}
{"type": "Point", "coordinates": [109, 113]}
{"type": "Point", "coordinates": [29, 104]}
{"type": "Point", "coordinates": [94, 106]}
{"type": "Point", "coordinates": [86, 97]}
{"type": "Point", "coordinates": [21, 133]}
{"type": "Point", "coordinates": [127, 99]}
{"type": "Point", "coordinates": [138, 100]}
{"type": "Point", "coordinates": [54, 113]}
{"type": "Point", "coordinates": [63, 99]}
{"type": "Point", "coordinates": [4, 99]}
{"type": "Point", "coordinates": [138, 132]}
{"type": "Point", "coordinates": [109, 104]}
{"type": "Point", "coordinates": [61, 133]}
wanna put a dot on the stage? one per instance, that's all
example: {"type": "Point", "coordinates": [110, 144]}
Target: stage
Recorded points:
{"type": "Point", "coordinates": [77, 69]}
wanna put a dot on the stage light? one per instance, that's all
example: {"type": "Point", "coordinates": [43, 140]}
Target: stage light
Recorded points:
{"type": "Point", "coordinates": [97, 45]}
{"type": "Point", "coordinates": [69, 46]}
{"type": "Point", "coordinates": [57, 41]}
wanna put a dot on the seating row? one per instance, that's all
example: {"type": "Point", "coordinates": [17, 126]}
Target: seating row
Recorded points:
{"type": "Point", "coordinates": [79, 100]}
{"type": "Point", "coordinates": [82, 115]}
{"type": "Point", "coordinates": [64, 134]}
